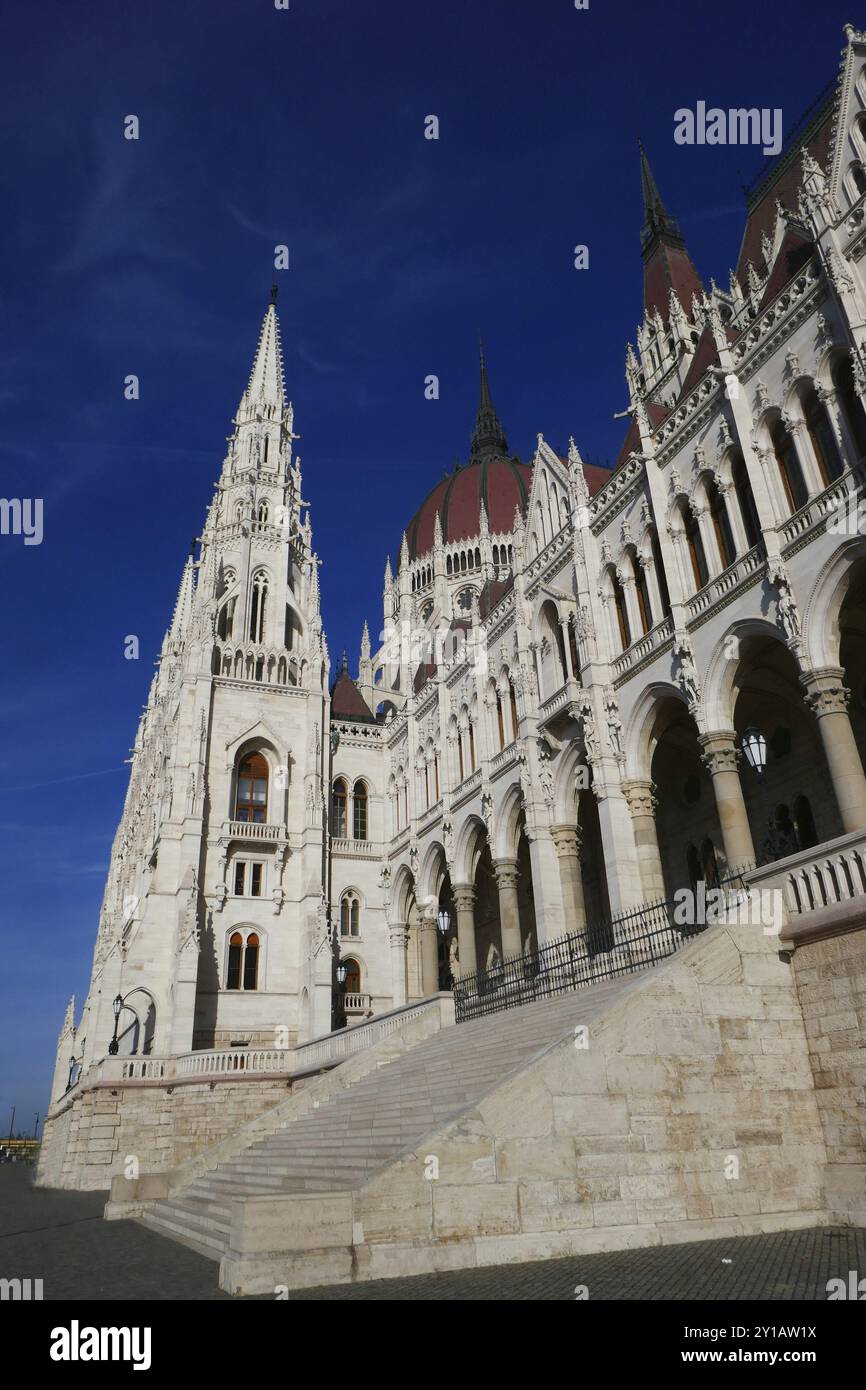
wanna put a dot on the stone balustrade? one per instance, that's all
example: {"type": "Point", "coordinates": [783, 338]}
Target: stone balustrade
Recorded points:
{"type": "Point", "coordinates": [826, 876]}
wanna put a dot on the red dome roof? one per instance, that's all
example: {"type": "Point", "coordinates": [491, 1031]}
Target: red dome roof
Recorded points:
{"type": "Point", "coordinates": [502, 484]}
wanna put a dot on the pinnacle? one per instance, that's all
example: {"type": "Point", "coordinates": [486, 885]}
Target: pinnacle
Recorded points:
{"type": "Point", "coordinates": [267, 383]}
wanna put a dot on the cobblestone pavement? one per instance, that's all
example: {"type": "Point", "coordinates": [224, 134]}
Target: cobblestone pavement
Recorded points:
{"type": "Point", "coordinates": [60, 1237]}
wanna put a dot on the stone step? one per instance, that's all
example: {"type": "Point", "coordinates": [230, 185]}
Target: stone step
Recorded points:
{"type": "Point", "coordinates": [358, 1131]}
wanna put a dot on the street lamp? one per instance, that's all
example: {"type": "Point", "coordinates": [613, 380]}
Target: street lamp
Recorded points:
{"type": "Point", "coordinates": [754, 745]}
{"type": "Point", "coordinates": [117, 1005]}
{"type": "Point", "coordinates": [443, 920]}
{"type": "Point", "coordinates": [342, 974]}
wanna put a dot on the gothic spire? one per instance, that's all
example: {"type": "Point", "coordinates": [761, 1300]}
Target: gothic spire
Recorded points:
{"type": "Point", "coordinates": [667, 263]}
{"type": "Point", "coordinates": [488, 437]}
{"type": "Point", "coordinates": [266, 385]}
{"type": "Point", "coordinates": [657, 219]}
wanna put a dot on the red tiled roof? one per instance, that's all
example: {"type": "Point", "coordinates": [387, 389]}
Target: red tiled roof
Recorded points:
{"type": "Point", "coordinates": [656, 413]}
{"type": "Point", "coordinates": [347, 702]}
{"type": "Point", "coordinates": [795, 251]}
{"type": "Point", "coordinates": [762, 218]}
{"type": "Point", "coordinates": [670, 268]}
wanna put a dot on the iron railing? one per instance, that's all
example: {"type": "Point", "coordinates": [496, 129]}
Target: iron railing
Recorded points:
{"type": "Point", "coordinates": [602, 950]}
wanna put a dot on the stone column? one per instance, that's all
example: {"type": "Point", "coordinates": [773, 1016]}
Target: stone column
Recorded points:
{"type": "Point", "coordinates": [641, 800]}
{"type": "Point", "coordinates": [509, 913]}
{"type": "Point", "coordinates": [827, 697]}
{"type": "Point", "coordinates": [566, 841]}
{"type": "Point", "coordinates": [720, 756]}
{"type": "Point", "coordinates": [399, 934]}
{"type": "Point", "coordinates": [429, 950]}
{"type": "Point", "coordinates": [464, 903]}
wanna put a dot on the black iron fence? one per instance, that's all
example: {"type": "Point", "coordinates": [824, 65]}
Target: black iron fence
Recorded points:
{"type": "Point", "coordinates": [600, 951]}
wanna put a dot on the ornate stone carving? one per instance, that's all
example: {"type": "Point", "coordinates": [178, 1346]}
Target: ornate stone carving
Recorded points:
{"type": "Point", "coordinates": [614, 724]}
{"type": "Point", "coordinates": [686, 674]}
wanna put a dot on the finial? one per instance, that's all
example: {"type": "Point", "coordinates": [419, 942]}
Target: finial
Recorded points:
{"type": "Point", "coordinates": [274, 292]}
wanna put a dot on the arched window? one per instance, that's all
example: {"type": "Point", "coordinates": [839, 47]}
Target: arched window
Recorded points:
{"type": "Point", "coordinates": [226, 619]}
{"type": "Point", "coordinates": [258, 607]}
{"type": "Point", "coordinates": [251, 802]}
{"type": "Point", "coordinates": [500, 720]}
{"type": "Point", "coordinates": [350, 914]}
{"type": "Point", "coordinates": [339, 800]}
{"type": "Point", "coordinates": [353, 976]}
{"type": "Point", "coordinates": [822, 437]}
{"type": "Point", "coordinates": [621, 612]}
{"type": "Point", "coordinates": [789, 467]}
{"type": "Point", "coordinates": [850, 403]}
{"type": "Point", "coordinates": [858, 179]}
{"type": "Point", "coordinates": [746, 500]}
{"type": "Point", "coordinates": [513, 702]}
{"type": "Point", "coordinates": [708, 864]}
{"type": "Point", "coordinates": [804, 823]}
{"type": "Point", "coordinates": [661, 577]}
{"type": "Point", "coordinates": [721, 525]}
{"type": "Point", "coordinates": [263, 513]}
{"type": "Point", "coordinates": [695, 547]}
{"type": "Point", "coordinates": [471, 746]}
{"type": "Point", "coordinates": [359, 811]}
{"type": "Point", "coordinates": [243, 961]}
{"type": "Point", "coordinates": [644, 607]}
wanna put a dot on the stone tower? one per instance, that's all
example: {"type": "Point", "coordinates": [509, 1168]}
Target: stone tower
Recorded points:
{"type": "Point", "coordinates": [214, 928]}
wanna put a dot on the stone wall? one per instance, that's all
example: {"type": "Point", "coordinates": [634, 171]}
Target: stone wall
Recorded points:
{"type": "Point", "coordinates": [831, 981]}
{"type": "Point", "coordinates": [690, 1113]}
{"type": "Point", "coordinates": [87, 1142]}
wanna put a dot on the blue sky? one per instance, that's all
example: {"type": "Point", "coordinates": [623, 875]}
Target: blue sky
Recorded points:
{"type": "Point", "coordinates": [155, 257]}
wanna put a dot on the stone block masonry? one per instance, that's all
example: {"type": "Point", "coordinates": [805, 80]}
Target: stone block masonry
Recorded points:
{"type": "Point", "coordinates": [92, 1139]}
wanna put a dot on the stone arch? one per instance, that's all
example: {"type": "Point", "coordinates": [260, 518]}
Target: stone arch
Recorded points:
{"type": "Point", "coordinates": [135, 1034]}
{"type": "Point", "coordinates": [403, 893]}
{"type": "Point", "coordinates": [639, 742]}
{"type": "Point", "coordinates": [721, 672]}
{"type": "Point", "coordinates": [433, 869]}
{"type": "Point", "coordinates": [822, 609]}
{"type": "Point", "coordinates": [468, 844]}
{"type": "Point", "coordinates": [507, 832]}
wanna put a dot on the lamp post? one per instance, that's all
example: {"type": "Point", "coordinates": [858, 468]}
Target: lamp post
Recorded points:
{"type": "Point", "coordinates": [754, 745]}
{"type": "Point", "coordinates": [342, 976]}
{"type": "Point", "coordinates": [117, 1005]}
{"type": "Point", "coordinates": [443, 922]}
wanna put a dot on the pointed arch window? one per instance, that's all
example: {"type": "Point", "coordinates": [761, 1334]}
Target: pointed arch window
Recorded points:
{"type": "Point", "coordinates": [350, 914]}
{"type": "Point", "coordinates": [359, 811]}
{"type": "Point", "coordinates": [746, 500]}
{"type": "Point", "coordinates": [695, 547]}
{"type": "Point", "coordinates": [352, 984]}
{"type": "Point", "coordinates": [251, 801]}
{"type": "Point", "coordinates": [822, 437]}
{"type": "Point", "coordinates": [340, 799]}
{"type": "Point", "coordinates": [512, 699]}
{"type": "Point", "coordinates": [258, 607]}
{"type": "Point", "coordinates": [644, 606]}
{"type": "Point", "coordinates": [621, 612]}
{"type": "Point", "coordinates": [500, 720]}
{"type": "Point", "coordinates": [721, 526]}
{"type": "Point", "coordinates": [263, 513]}
{"type": "Point", "coordinates": [661, 577]}
{"type": "Point", "coordinates": [789, 467]}
{"type": "Point", "coordinates": [851, 404]}
{"type": "Point", "coordinates": [243, 961]}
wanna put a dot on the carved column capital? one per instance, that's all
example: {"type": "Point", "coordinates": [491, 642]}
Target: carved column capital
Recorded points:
{"type": "Point", "coordinates": [640, 796]}
{"type": "Point", "coordinates": [464, 896]}
{"type": "Point", "coordinates": [825, 691]}
{"type": "Point", "coordinates": [566, 840]}
{"type": "Point", "coordinates": [507, 873]}
{"type": "Point", "coordinates": [719, 751]}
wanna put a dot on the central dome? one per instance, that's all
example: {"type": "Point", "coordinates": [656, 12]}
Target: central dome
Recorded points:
{"type": "Point", "coordinates": [490, 477]}
{"type": "Point", "coordinates": [502, 484]}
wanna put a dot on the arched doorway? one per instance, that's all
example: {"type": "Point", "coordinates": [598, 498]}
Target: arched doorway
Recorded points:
{"type": "Point", "coordinates": [687, 822]}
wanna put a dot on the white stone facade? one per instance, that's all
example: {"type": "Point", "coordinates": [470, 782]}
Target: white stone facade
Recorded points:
{"type": "Point", "coordinates": [548, 733]}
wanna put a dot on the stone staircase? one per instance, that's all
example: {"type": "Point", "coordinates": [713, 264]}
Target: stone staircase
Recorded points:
{"type": "Point", "coordinates": [358, 1131]}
